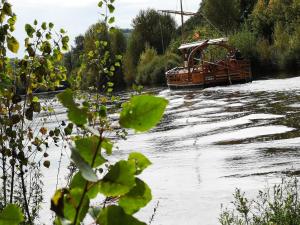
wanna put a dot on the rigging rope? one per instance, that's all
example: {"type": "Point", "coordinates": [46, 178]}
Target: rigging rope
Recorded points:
{"type": "Point", "coordinates": [162, 36]}
{"type": "Point", "coordinates": [207, 20]}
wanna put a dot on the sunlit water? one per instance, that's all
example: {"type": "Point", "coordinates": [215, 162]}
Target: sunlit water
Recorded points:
{"type": "Point", "coordinates": [209, 143]}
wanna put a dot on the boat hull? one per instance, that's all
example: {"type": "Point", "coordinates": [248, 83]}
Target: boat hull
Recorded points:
{"type": "Point", "coordinates": [210, 75]}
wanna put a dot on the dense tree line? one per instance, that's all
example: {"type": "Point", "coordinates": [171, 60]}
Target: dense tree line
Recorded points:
{"type": "Point", "coordinates": [266, 31]}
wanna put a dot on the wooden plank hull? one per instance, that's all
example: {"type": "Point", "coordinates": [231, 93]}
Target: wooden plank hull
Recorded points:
{"type": "Point", "coordinates": [235, 71]}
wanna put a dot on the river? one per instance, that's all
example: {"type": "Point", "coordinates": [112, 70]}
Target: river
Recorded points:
{"type": "Point", "coordinates": [210, 142]}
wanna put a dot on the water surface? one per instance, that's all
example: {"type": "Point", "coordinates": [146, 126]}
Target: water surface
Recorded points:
{"type": "Point", "coordinates": [210, 142]}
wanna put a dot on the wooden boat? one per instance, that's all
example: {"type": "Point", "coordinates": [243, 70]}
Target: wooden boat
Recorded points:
{"type": "Point", "coordinates": [199, 72]}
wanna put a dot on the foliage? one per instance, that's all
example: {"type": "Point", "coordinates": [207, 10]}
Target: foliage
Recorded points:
{"type": "Point", "coordinates": [24, 142]}
{"type": "Point", "coordinates": [89, 46]}
{"type": "Point", "coordinates": [152, 29]}
{"type": "Point", "coordinates": [279, 205]}
{"type": "Point", "coordinates": [124, 193]}
{"type": "Point", "coordinates": [11, 215]}
{"type": "Point", "coordinates": [151, 68]}
{"type": "Point", "coordinates": [244, 40]}
{"type": "Point", "coordinates": [225, 14]}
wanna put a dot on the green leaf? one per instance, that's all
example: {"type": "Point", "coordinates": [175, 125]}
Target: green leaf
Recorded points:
{"type": "Point", "coordinates": [85, 169]}
{"type": "Point", "coordinates": [100, 4]}
{"type": "Point", "coordinates": [143, 112]}
{"type": "Point", "coordinates": [88, 147]}
{"type": "Point", "coordinates": [7, 9]}
{"type": "Point", "coordinates": [35, 99]}
{"type": "Point", "coordinates": [44, 26]}
{"type": "Point", "coordinates": [119, 180]}
{"type": "Point", "coordinates": [51, 25]}
{"type": "Point", "coordinates": [107, 145]}
{"type": "Point", "coordinates": [79, 182]}
{"type": "Point", "coordinates": [11, 215]}
{"type": "Point", "coordinates": [111, 8]}
{"type": "Point", "coordinates": [115, 215]}
{"type": "Point", "coordinates": [66, 98]}
{"type": "Point", "coordinates": [140, 160]}
{"type": "Point", "coordinates": [12, 44]}
{"type": "Point", "coordinates": [111, 20]}
{"type": "Point", "coordinates": [94, 212]}
{"type": "Point", "coordinates": [71, 202]}
{"type": "Point", "coordinates": [76, 115]}
{"type": "Point", "coordinates": [29, 30]}
{"type": "Point", "coordinates": [137, 198]}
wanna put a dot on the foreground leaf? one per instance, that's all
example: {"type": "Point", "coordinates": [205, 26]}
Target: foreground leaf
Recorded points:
{"type": "Point", "coordinates": [140, 160]}
{"type": "Point", "coordinates": [71, 202]}
{"type": "Point", "coordinates": [137, 198]}
{"type": "Point", "coordinates": [85, 169]}
{"type": "Point", "coordinates": [87, 148]}
{"type": "Point", "coordinates": [143, 112]}
{"type": "Point", "coordinates": [119, 180]}
{"type": "Point", "coordinates": [78, 182]}
{"type": "Point", "coordinates": [115, 215]}
{"type": "Point", "coordinates": [76, 115]}
{"type": "Point", "coordinates": [11, 215]}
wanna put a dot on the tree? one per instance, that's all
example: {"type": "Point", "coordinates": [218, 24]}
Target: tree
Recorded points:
{"type": "Point", "coordinates": [224, 14]}
{"type": "Point", "coordinates": [115, 43]}
{"type": "Point", "coordinates": [152, 28]}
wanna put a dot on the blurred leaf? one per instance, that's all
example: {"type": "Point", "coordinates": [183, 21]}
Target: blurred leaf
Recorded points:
{"type": "Point", "coordinates": [11, 215]}
{"type": "Point", "coordinates": [75, 114]}
{"type": "Point", "coordinates": [29, 30]}
{"type": "Point", "coordinates": [115, 215]}
{"type": "Point", "coordinates": [111, 20]}
{"type": "Point", "coordinates": [85, 169]}
{"type": "Point", "coordinates": [94, 212]}
{"type": "Point", "coordinates": [143, 112]}
{"type": "Point", "coordinates": [107, 145]}
{"type": "Point", "coordinates": [100, 4]}
{"type": "Point", "coordinates": [57, 203]}
{"type": "Point", "coordinates": [44, 26]}
{"type": "Point", "coordinates": [7, 9]}
{"type": "Point", "coordinates": [137, 198]}
{"type": "Point", "coordinates": [12, 44]}
{"type": "Point", "coordinates": [71, 202]}
{"type": "Point", "coordinates": [111, 8]}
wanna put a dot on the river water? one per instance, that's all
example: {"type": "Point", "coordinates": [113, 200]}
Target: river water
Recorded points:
{"type": "Point", "coordinates": [210, 142]}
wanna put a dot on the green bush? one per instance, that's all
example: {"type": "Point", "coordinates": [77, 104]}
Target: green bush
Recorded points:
{"type": "Point", "coordinates": [279, 205]}
{"type": "Point", "coordinates": [244, 40]}
{"type": "Point", "coordinates": [152, 67]}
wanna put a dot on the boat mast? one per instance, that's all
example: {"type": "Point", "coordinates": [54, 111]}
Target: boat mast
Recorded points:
{"type": "Point", "coordinates": [182, 21]}
{"type": "Point", "coordinates": [182, 14]}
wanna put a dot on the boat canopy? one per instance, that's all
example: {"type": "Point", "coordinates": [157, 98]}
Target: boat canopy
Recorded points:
{"type": "Point", "coordinates": [199, 43]}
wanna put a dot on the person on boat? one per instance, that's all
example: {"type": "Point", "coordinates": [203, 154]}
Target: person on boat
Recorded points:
{"type": "Point", "coordinates": [238, 55]}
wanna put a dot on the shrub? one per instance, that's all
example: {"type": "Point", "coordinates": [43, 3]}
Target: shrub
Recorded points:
{"type": "Point", "coordinates": [244, 40]}
{"type": "Point", "coordinates": [278, 205]}
{"type": "Point", "coordinates": [152, 67]}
